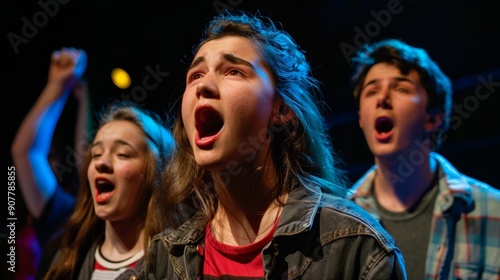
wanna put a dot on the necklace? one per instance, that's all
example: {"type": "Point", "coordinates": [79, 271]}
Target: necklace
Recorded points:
{"type": "Point", "coordinates": [220, 230]}
{"type": "Point", "coordinates": [121, 263]}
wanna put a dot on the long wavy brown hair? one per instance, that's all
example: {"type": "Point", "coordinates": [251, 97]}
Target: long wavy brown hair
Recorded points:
{"type": "Point", "coordinates": [84, 228]}
{"type": "Point", "coordinates": [301, 149]}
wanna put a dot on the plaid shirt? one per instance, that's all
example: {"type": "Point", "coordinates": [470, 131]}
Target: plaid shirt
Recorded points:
{"type": "Point", "coordinates": [465, 230]}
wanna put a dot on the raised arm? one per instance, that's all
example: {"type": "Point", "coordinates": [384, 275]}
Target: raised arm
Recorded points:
{"type": "Point", "coordinates": [32, 142]}
{"type": "Point", "coordinates": [84, 122]}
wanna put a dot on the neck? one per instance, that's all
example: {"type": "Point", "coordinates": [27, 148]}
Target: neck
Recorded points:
{"type": "Point", "coordinates": [400, 183]}
{"type": "Point", "coordinates": [247, 208]}
{"type": "Point", "coordinates": [122, 240]}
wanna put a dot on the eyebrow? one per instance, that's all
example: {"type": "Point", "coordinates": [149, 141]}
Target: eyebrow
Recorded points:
{"type": "Point", "coordinates": [196, 62]}
{"type": "Point", "coordinates": [225, 56]}
{"type": "Point", "coordinates": [399, 79]}
{"type": "Point", "coordinates": [236, 60]}
{"type": "Point", "coordinates": [115, 143]}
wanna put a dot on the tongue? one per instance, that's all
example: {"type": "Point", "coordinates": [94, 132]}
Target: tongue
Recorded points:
{"type": "Point", "coordinates": [103, 196]}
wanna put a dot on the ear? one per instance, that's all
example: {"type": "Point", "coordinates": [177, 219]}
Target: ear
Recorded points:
{"type": "Point", "coordinates": [359, 121]}
{"type": "Point", "coordinates": [433, 121]}
{"type": "Point", "coordinates": [281, 112]}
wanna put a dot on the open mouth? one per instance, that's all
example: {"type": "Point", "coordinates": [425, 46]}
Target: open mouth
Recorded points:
{"type": "Point", "coordinates": [383, 125]}
{"type": "Point", "coordinates": [208, 122]}
{"type": "Point", "coordinates": [104, 186]}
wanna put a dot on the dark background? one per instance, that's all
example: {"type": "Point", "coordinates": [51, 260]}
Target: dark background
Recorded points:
{"type": "Point", "coordinates": [461, 36]}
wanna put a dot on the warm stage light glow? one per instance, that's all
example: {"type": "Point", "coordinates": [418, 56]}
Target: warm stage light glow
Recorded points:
{"type": "Point", "coordinates": [120, 78]}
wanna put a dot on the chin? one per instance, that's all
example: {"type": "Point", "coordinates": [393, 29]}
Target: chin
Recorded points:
{"type": "Point", "coordinates": [211, 166]}
{"type": "Point", "coordinates": [208, 161]}
{"type": "Point", "coordinates": [384, 152]}
{"type": "Point", "coordinates": [102, 215]}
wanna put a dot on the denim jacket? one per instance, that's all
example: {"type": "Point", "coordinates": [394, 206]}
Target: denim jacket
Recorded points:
{"type": "Point", "coordinates": [317, 237]}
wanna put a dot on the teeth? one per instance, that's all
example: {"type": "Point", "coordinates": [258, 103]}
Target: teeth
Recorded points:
{"type": "Point", "coordinates": [103, 186]}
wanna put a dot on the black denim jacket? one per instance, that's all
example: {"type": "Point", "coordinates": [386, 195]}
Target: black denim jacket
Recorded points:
{"type": "Point", "coordinates": [318, 237]}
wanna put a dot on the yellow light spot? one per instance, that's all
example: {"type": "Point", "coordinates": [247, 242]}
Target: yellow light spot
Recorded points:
{"type": "Point", "coordinates": [120, 78]}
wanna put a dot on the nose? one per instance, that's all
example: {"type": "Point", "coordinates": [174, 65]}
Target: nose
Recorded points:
{"type": "Point", "coordinates": [103, 164]}
{"type": "Point", "coordinates": [384, 99]}
{"type": "Point", "coordinates": [207, 87]}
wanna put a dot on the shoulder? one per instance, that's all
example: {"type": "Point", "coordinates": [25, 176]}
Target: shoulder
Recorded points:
{"type": "Point", "coordinates": [345, 218]}
{"type": "Point", "coordinates": [88, 264]}
{"type": "Point", "coordinates": [362, 188]}
{"type": "Point", "coordinates": [458, 182]}
{"type": "Point", "coordinates": [190, 232]}
{"type": "Point", "coordinates": [158, 242]}
{"type": "Point", "coordinates": [482, 188]}
{"type": "Point", "coordinates": [486, 199]}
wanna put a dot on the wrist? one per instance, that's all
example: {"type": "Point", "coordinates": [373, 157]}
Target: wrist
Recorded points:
{"type": "Point", "coordinates": [59, 83]}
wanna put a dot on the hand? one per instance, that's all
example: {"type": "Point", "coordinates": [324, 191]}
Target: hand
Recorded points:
{"type": "Point", "coordinates": [67, 66]}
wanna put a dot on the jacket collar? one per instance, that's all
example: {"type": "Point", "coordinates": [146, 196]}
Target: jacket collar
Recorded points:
{"type": "Point", "coordinates": [297, 216]}
{"type": "Point", "coordinates": [188, 233]}
{"type": "Point", "coordinates": [299, 210]}
{"type": "Point", "coordinates": [453, 188]}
